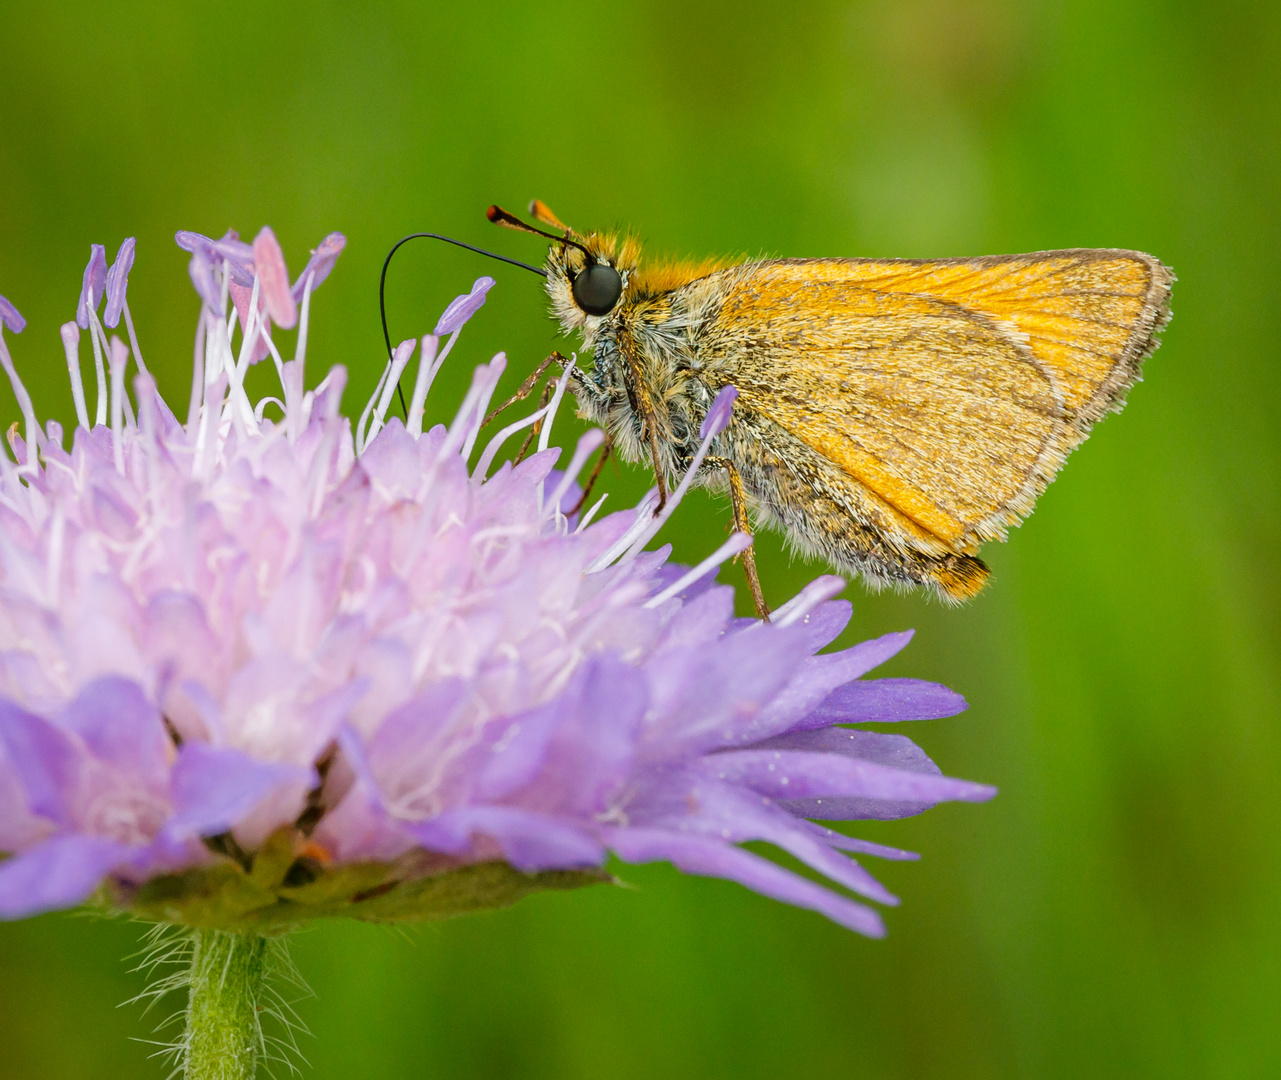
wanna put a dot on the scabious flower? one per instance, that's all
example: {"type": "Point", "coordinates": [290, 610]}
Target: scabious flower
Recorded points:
{"type": "Point", "coordinates": [258, 665]}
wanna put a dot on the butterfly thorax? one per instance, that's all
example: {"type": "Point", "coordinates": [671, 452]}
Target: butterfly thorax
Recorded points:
{"type": "Point", "coordinates": [646, 362]}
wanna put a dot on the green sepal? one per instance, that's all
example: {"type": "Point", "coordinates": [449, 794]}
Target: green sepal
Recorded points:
{"type": "Point", "coordinates": [415, 888]}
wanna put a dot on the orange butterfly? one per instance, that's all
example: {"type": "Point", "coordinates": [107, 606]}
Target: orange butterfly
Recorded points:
{"type": "Point", "coordinates": [893, 414]}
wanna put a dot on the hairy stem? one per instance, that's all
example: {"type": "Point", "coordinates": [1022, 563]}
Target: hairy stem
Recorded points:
{"type": "Point", "coordinates": [223, 1040]}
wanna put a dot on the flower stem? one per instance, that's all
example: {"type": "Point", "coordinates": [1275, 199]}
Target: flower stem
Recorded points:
{"type": "Point", "coordinates": [223, 1039]}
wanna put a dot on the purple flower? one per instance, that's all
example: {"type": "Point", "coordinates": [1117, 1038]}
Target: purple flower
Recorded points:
{"type": "Point", "coordinates": [255, 670]}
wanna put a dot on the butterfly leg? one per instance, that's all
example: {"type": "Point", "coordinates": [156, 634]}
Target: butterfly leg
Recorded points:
{"type": "Point", "coordinates": [527, 387]}
{"type": "Point", "coordinates": [606, 450]}
{"type": "Point", "coordinates": [738, 500]}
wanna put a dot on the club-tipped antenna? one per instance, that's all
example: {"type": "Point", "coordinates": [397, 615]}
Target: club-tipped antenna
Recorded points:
{"type": "Point", "coordinates": [382, 284]}
{"type": "Point", "coordinates": [499, 216]}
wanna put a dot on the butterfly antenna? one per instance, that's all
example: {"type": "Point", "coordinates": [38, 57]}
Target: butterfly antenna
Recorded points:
{"type": "Point", "coordinates": [499, 216]}
{"type": "Point", "coordinates": [382, 284]}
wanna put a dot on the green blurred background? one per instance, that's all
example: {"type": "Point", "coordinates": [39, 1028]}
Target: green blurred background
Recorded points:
{"type": "Point", "coordinates": [1117, 910]}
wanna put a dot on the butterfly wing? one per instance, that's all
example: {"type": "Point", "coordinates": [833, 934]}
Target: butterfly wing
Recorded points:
{"type": "Point", "coordinates": [948, 390]}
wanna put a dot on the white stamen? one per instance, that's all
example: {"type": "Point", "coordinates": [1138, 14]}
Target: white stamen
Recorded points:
{"type": "Point", "coordinates": [100, 407]}
{"type": "Point", "coordinates": [494, 444]}
{"type": "Point", "coordinates": [207, 438]}
{"type": "Point", "coordinates": [496, 367]}
{"type": "Point", "coordinates": [71, 344]}
{"type": "Point", "coordinates": [673, 500]}
{"type": "Point", "coordinates": [805, 601]}
{"type": "Point", "coordinates": [737, 543]}
{"type": "Point", "coordinates": [197, 376]}
{"type": "Point", "coordinates": [261, 407]}
{"type": "Point", "coordinates": [119, 361]}
{"type": "Point", "coordinates": [545, 435]}
{"type": "Point", "coordinates": [454, 436]}
{"type": "Point", "coordinates": [294, 392]}
{"type": "Point", "coordinates": [133, 340]}
{"type": "Point", "coordinates": [586, 519]}
{"type": "Point", "coordinates": [34, 435]}
{"type": "Point", "coordinates": [641, 522]}
{"type": "Point", "coordinates": [422, 383]}
{"type": "Point", "coordinates": [585, 448]}
{"type": "Point", "coordinates": [369, 408]}
{"type": "Point", "coordinates": [399, 361]}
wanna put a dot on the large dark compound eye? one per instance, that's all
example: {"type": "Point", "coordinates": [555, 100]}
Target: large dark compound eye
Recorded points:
{"type": "Point", "coordinates": [597, 289]}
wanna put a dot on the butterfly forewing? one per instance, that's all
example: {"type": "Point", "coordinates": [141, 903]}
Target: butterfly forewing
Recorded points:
{"type": "Point", "coordinates": [951, 389]}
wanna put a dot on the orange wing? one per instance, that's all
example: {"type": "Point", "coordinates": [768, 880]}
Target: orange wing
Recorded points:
{"type": "Point", "coordinates": [950, 389]}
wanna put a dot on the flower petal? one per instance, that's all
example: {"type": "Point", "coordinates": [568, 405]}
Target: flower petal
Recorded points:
{"type": "Point", "coordinates": [58, 874]}
{"type": "Point", "coordinates": [699, 855]}
{"type": "Point", "coordinates": [214, 789]}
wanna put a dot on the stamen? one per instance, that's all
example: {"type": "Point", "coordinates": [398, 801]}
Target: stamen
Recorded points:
{"type": "Point", "coordinates": [544, 437]}
{"type": "Point", "coordinates": [422, 384]}
{"type": "Point", "coordinates": [641, 522]}
{"type": "Point", "coordinates": [820, 589]}
{"type": "Point", "coordinates": [735, 545]}
{"type": "Point", "coordinates": [119, 360]}
{"type": "Point", "coordinates": [582, 451]}
{"type": "Point", "coordinates": [369, 408]}
{"type": "Point", "coordinates": [714, 423]}
{"type": "Point", "coordinates": [586, 519]}
{"type": "Point", "coordinates": [100, 406]}
{"type": "Point", "coordinates": [496, 368]}
{"type": "Point", "coordinates": [197, 375]}
{"type": "Point", "coordinates": [34, 436]}
{"type": "Point", "coordinates": [399, 361]}
{"type": "Point", "coordinates": [454, 436]}
{"type": "Point", "coordinates": [71, 344]}
{"type": "Point", "coordinates": [133, 340]}
{"type": "Point", "coordinates": [495, 444]}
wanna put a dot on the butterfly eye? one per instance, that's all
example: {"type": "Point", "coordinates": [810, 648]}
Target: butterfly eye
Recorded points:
{"type": "Point", "coordinates": [597, 289]}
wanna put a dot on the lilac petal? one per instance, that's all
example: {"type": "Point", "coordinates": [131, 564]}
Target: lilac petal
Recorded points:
{"type": "Point", "coordinates": [699, 855]}
{"type": "Point", "coordinates": [529, 841]}
{"type": "Point", "coordinates": [572, 754]}
{"type": "Point", "coordinates": [11, 317]}
{"type": "Point", "coordinates": [320, 264]}
{"type": "Point", "coordinates": [852, 843]}
{"type": "Point", "coordinates": [718, 415]}
{"type": "Point", "coordinates": [690, 803]}
{"type": "Point", "coordinates": [118, 283]}
{"type": "Point", "coordinates": [825, 674]}
{"type": "Point", "coordinates": [46, 760]}
{"type": "Point", "coordinates": [462, 308]}
{"type": "Point", "coordinates": [273, 278]}
{"type": "Point", "coordinates": [796, 774]}
{"type": "Point", "coordinates": [120, 726]}
{"type": "Point", "coordinates": [59, 873]}
{"type": "Point", "coordinates": [95, 279]}
{"type": "Point", "coordinates": [884, 701]}
{"type": "Point", "coordinates": [213, 789]}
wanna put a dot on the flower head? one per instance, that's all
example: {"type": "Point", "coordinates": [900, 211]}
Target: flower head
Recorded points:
{"type": "Point", "coordinates": [257, 668]}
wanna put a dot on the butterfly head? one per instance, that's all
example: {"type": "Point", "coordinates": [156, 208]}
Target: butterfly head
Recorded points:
{"type": "Point", "coordinates": [587, 274]}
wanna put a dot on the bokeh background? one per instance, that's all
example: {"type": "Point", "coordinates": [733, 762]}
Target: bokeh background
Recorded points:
{"type": "Point", "coordinates": [1117, 910]}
